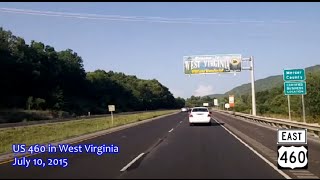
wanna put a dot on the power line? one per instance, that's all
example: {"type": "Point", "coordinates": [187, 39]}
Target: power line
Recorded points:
{"type": "Point", "coordinates": [205, 21]}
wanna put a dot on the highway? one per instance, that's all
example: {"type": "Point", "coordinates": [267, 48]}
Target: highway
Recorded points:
{"type": "Point", "coordinates": [170, 148]}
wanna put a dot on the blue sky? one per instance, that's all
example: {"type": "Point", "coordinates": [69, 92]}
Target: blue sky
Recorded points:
{"type": "Point", "coordinates": [278, 35]}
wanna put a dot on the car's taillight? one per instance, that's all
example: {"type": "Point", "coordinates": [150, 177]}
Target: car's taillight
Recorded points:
{"type": "Point", "coordinates": [190, 115]}
{"type": "Point", "coordinates": [209, 115]}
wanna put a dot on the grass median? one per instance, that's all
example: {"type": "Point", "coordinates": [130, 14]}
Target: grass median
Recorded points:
{"type": "Point", "coordinates": [53, 132]}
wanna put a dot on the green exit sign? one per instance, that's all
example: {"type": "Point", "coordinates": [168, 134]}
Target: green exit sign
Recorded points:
{"type": "Point", "coordinates": [294, 75]}
{"type": "Point", "coordinates": [295, 88]}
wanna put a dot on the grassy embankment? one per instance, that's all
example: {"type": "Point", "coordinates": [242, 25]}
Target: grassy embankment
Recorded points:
{"type": "Point", "coordinates": [45, 133]}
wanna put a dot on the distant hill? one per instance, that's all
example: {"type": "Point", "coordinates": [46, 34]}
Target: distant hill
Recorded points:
{"type": "Point", "coordinates": [261, 84]}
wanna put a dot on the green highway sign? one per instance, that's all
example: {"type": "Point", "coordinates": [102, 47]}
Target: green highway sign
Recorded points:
{"type": "Point", "coordinates": [295, 88]}
{"type": "Point", "coordinates": [294, 75]}
{"type": "Point", "coordinates": [295, 84]}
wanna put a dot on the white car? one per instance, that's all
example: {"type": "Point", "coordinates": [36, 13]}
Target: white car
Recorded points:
{"type": "Point", "coordinates": [200, 115]}
{"type": "Point", "coordinates": [184, 109]}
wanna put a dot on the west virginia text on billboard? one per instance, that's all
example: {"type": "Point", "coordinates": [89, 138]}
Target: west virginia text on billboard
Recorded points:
{"type": "Point", "coordinates": [206, 64]}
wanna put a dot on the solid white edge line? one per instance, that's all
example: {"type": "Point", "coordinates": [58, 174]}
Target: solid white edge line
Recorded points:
{"type": "Point", "coordinates": [303, 174]}
{"type": "Point", "coordinates": [308, 177]}
{"type": "Point", "coordinates": [171, 130]}
{"type": "Point", "coordinates": [130, 163]}
{"type": "Point", "coordinates": [254, 151]}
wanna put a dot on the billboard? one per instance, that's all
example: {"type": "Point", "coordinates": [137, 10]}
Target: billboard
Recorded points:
{"type": "Point", "coordinates": [211, 64]}
{"type": "Point", "coordinates": [231, 100]}
{"type": "Point", "coordinates": [215, 102]}
{"type": "Point", "coordinates": [206, 104]}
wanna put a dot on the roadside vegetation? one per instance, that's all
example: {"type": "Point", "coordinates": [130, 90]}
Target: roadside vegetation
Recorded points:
{"type": "Point", "coordinates": [53, 132]}
{"type": "Point", "coordinates": [273, 102]}
{"type": "Point", "coordinates": [37, 77]}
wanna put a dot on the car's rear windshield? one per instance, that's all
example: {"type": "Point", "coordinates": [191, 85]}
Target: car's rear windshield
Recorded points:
{"type": "Point", "coordinates": [199, 110]}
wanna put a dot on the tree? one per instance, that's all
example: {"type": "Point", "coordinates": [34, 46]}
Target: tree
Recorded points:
{"type": "Point", "coordinates": [180, 102]}
{"type": "Point", "coordinates": [38, 103]}
{"type": "Point", "coordinates": [312, 99]}
{"type": "Point", "coordinates": [36, 76]}
{"type": "Point", "coordinates": [29, 103]}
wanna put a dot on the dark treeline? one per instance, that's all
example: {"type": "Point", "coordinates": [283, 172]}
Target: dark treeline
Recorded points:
{"type": "Point", "coordinates": [194, 101]}
{"type": "Point", "coordinates": [35, 76]}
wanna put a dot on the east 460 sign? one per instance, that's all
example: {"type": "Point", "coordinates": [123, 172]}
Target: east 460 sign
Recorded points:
{"type": "Point", "coordinates": [293, 157]}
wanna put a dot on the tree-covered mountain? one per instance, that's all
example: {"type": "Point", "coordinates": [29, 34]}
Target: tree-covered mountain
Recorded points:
{"type": "Point", "coordinates": [36, 76]}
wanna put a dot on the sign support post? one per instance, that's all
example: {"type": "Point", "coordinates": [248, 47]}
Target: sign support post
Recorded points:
{"type": "Point", "coordinates": [252, 88]}
{"type": "Point", "coordinates": [111, 118]}
{"type": "Point", "coordinates": [289, 107]}
{"type": "Point", "coordinates": [253, 110]}
{"type": "Point", "coordinates": [111, 109]}
{"type": "Point", "coordinates": [303, 109]}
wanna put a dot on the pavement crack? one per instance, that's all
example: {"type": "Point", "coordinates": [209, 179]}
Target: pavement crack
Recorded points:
{"type": "Point", "coordinates": [155, 145]}
{"type": "Point", "coordinates": [138, 162]}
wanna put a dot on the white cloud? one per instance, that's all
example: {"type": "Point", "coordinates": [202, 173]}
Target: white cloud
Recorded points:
{"type": "Point", "coordinates": [203, 90]}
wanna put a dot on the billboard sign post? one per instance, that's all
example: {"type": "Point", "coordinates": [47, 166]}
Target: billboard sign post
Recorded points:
{"type": "Point", "coordinates": [220, 63]}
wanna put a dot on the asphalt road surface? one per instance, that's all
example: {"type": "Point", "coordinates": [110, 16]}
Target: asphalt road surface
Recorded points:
{"type": "Point", "coordinates": [163, 148]}
{"type": "Point", "coordinates": [264, 139]}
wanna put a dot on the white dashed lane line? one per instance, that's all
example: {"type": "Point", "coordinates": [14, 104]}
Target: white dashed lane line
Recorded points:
{"type": "Point", "coordinates": [130, 163]}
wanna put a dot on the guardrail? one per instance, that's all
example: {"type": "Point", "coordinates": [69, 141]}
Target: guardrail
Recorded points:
{"type": "Point", "coordinates": [29, 123]}
{"type": "Point", "coordinates": [282, 123]}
